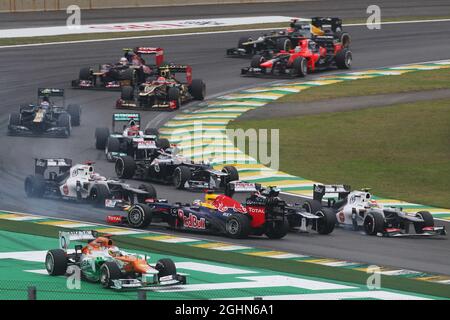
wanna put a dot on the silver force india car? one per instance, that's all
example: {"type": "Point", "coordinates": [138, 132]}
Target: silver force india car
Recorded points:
{"type": "Point", "coordinates": [101, 261]}
{"type": "Point", "coordinates": [46, 117]}
{"type": "Point", "coordinates": [126, 137]}
{"type": "Point", "coordinates": [58, 179]}
{"type": "Point", "coordinates": [358, 209]}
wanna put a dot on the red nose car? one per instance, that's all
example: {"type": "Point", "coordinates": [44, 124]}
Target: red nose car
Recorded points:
{"type": "Point", "coordinates": [263, 213]}
{"type": "Point", "coordinates": [307, 57]}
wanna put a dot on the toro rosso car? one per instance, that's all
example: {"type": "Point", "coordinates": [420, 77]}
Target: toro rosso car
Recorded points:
{"type": "Point", "coordinates": [166, 165]}
{"type": "Point", "coordinates": [48, 117]}
{"type": "Point", "coordinates": [102, 262]}
{"type": "Point", "coordinates": [308, 56]}
{"type": "Point", "coordinates": [126, 137]}
{"type": "Point", "coordinates": [324, 30]}
{"type": "Point", "coordinates": [262, 213]}
{"type": "Point", "coordinates": [59, 179]}
{"type": "Point", "coordinates": [131, 70]}
{"type": "Point", "coordinates": [164, 91]}
{"type": "Point", "coordinates": [359, 210]}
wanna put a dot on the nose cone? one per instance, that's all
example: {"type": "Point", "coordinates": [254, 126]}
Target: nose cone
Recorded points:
{"type": "Point", "coordinates": [267, 64]}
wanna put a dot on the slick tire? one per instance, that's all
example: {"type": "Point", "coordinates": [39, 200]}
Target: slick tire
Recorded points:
{"type": "Point", "coordinates": [284, 44]}
{"type": "Point", "coordinates": [173, 94]}
{"type": "Point", "coordinates": [139, 216]}
{"type": "Point", "coordinates": [35, 186]}
{"type": "Point", "coordinates": [125, 167]}
{"type": "Point", "coordinates": [109, 271]}
{"type": "Point", "coordinates": [163, 143]}
{"type": "Point", "coordinates": [166, 267]}
{"type": "Point", "coordinates": [300, 66]}
{"type": "Point", "coordinates": [151, 192]}
{"type": "Point", "coordinates": [85, 74]}
{"type": "Point", "coordinates": [232, 172]}
{"type": "Point", "coordinates": [15, 119]}
{"type": "Point", "coordinates": [127, 93]}
{"type": "Point", "coordinates": [151, 132]}
{"type": "Point", "coordinates": [237, 226]}
{"type": "Point", "coordinates": [428, 221]}
{"type": "Point", "coordinates": [277, 230]}
{"type": "Point", "coordinates": [256, 61]}
{"type": "Point", "coordinates": [181, 175]}
{"type": "Point", "coordinates": [242, 40]}
{"type": "Point", "coordinates": [312, 206]}
{"type": "Point", "coordinates": [327, 222]}
{"type": "Point", "coordinates": [343, 38]}
{"type": "Point", "coordinates": [344, 59]}
{"type": "Point", "coordinates": [64, 121]}
{"type": "Point", "coordinates": [56, 262]}
{"type": "Point", "coordinates": [101, 138]}
{"type": "Point", "coordinates": [75, 114]}
{"type": "Point", "coordinates": [373, 223]}
{"type": "Point", "coordinates": [99, 193]}
{"type": "Point", "coordinates": [197, 89]}
{"type": "Point", "coordinates": [112, 145]}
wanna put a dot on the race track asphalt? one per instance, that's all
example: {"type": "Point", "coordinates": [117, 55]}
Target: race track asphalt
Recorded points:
{"type": "Point", "coordinates": [25, 69]}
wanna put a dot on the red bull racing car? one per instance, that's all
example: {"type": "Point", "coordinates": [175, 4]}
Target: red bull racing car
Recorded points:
{"type": "Point", "coordinates": [131, 70]}
{"type": "Point", "coordinates": [263, 213]}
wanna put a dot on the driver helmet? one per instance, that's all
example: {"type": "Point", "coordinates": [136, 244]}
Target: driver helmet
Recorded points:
{"type": "Point", "coordinates": [161, 80]}
{"type": "Point", "coordinates": [114, 252]}
{"type": "Point", "coordinates": [297, 49]}
{"type": "Point", "coordinates": [133, 131]}
{"type": "Point", "coordinates": [45, 104]}
{"type": "Point", "coordinates": [197, 203]}
{"type": "Point", "coordinates": [123, 61]}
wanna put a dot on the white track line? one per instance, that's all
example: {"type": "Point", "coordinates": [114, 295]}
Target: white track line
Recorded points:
{"type": "Point", "coordinates": [203, 33]}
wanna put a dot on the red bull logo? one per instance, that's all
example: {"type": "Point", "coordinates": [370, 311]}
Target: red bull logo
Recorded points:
{"type": "Point", "coordinates": [224, 203]}
{"type": "Point", "coordinates": [193, 222]}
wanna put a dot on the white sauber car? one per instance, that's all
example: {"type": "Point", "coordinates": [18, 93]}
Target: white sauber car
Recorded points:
{"type": "Point", "coordinates": [57, 178]}
{"type": "Point", "coordinates": [359, 210]}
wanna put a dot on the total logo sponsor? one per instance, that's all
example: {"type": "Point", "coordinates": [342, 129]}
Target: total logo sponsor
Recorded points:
{"type": "Point", "coordinates": [193, 222]}
{"type": "Point", "coordinates": [256, 210]}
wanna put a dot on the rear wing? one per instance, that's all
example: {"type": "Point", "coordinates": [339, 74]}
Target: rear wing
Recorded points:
{"type": "Point", "coordinates": [50, 92]}
{"type": "Point", "coordinates": [327, 22]}
{"type": "Point", "coordinates": [65, 237]}
{"type": "Point", "coordinates": [126, 117]}
{"type": "Point", "coordinates": [176, 68]}
{"type": "Point", "coordinates": [320, 190]}
{"type": "Point", "coordinates": [40, 165]}
{"type": "Point", "coordinates": [158, 52]}
{"type": "Point", "coordinates": [241, 186]}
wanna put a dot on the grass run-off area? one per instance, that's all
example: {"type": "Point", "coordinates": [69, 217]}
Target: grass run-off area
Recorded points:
{"type": "Point", "coordinates": [400, 151]}
{"type": "Point", "coordinates": [408, 82]}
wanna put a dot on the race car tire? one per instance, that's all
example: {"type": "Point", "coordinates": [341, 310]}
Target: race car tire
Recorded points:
{"type": "Point", "coordinates": [151, 192]}
{"type": "Point", "coordinates": [129, 74]}
{"type": "Point", "coordinates": [344, 59]}
{"type": "Point", "coordinates": [112, 145]}
{"type": "Point", "coordinates": [173, 94]}
{"type": "Point", "coordinates": [428, 221]}
{"type": "Point", "coordinates": [326, 224]}
{"type": "Point", "coordinates": [35, 186]}
{"type": "Point", "coordinates": [343, 38]}
{"type": "Point", "coordinates": [151, 132]}
{"type": "Point", "coordinates": [163, 143]}
{"type": "Point", "coordinates": [300, 66]}
{"type": "Point", "coordinates": [198, 89]}
{"type": "Point", "coordinates": [125, 167]}
{"type": "Point", "coordinates": [284, 44]}
{"type": "Point", "coordinates": [312, 206]}
{"type": "Point", "coordinates": [242, 40]}
{"type": "Point", "coordinates": [233, 174]}
{"type": "Point", "coordinates": [56, 262]}
{"type": "Point", "coordinates": [181, 174]}
{"type": "Point", "coordinates": [237, 226]}
{"type": "Point", "coordinates": [101, 138]}
{"type": "Point", "coordinates": [15, 119]}
{"type": "Point", "coordinates": [139, 216]}
{"type": "Point", "coordinates": [166, 267]}
{"type": "Point", "coordinates": [99, 193]}
{"type": "Point", "coordinates": [75, 114]}
{"type": "Point", "coordinates": [373, 223]}
{"type": "Point", "coordinates": [277, 230]}
{"type": "Point", "coordinates": [127, 93]}
{"type": "Point", "coordinates": [109, 271]}
{"type": "Point", "coordinates": [64, 122]}
{"type": "Point", "coordinates": [85, 74]}
{"type": "Point", "coordinates": [256, 61]}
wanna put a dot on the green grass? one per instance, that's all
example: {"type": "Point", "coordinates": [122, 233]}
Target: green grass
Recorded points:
{"type": "Point", "coordinates": [114, 35]}
{"type": "Point", "coordinates": [409, 82]}
{"type": "Point", "coordinates": [400, 151]}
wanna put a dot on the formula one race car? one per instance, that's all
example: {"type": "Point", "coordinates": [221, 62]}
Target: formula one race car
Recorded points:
{"type": "Point", "coordinates": [127, 139]}
{"type": "Point", "coordinates": [308, 56]}
{"type": "Point", "coordinates": [262, 213]}
{"type": "Point", "coordinates": [45, 118]}
{"type": "Point", "coordinates": [131, 70]}
{"type": "Point", "coordinates": [168, 166]}
{"type": "Point", "coordinates": [359, 210]}
{"type": "Point", "coordinates": [81, 183]}
{"type": "Point", "coordinates": [101, 261]}
{"type": "Point", "coordinates": [164, 91]}
{"type": "Point", "coordinates": [320, 29]}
